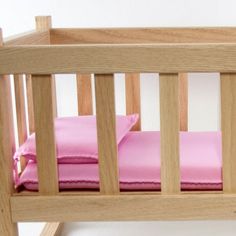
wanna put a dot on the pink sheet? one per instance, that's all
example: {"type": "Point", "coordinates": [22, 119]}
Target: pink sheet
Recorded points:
{"type": "Point", "coordinates": [139, 164]}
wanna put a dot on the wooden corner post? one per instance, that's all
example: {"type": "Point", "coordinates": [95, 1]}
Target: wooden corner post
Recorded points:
{"type": "Point", "coordinates": [7, 227]}
{"type": "Point", "coordinates": [45, 23]}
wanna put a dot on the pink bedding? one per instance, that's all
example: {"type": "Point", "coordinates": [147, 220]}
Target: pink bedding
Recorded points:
{"type": "Point", "coordinates": [76, 138]}
{"type": "Point", "coordinates": [139, 164]}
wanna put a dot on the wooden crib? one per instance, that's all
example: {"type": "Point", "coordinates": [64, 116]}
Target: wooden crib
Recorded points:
{"type": "Point", "coordinates": [172, 52]}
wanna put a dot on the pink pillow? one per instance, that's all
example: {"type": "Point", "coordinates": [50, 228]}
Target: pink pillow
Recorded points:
{"type": "Point", "coordinates": [76, 139]}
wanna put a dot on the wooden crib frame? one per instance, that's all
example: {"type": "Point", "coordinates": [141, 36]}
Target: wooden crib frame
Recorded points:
{"type": "Point", "coordinates": [172, 52]}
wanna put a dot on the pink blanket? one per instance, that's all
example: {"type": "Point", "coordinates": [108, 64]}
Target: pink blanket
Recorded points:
{"type": "Point", "coordinates": [139, 164]}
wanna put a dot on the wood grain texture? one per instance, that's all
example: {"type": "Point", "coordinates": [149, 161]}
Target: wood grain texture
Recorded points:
{"type": "Point", "coordinates": [45, 137]}
{"type": "Point", "coordinates": [52, 229]}
{"type": "Point", "coordinates": [183, 96]}
{"type": "Point", "coordinates": [124, 207]}
{"type": "Point", "coordinates": [132, 92]}
{"type": "Point", "coordinates": [106, 133]}
{"type": "Point", "coordinates": [30, 106]}
{"type": "Point", "coordinates": [144, 35]}
{"type": "Point", "coordinates": [228, 127]}
{"type": "Point", "coordinates": [20, 113]}
{"type": "Point", "coordinates": [44, 23]}
{"type": "Point", "coordinates": [169, 128]}
{"type": "Point", "coordinates": [84, 94]}
{"type": "Point", "coordinates": [7, 147]}
{"type": "Point", "coordinates": [163, 58]}
{"type": "Point", "coordinates": [28, 38]}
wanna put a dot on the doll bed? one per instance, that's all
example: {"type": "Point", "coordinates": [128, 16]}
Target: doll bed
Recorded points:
{"type": "Point", "coordinates": [139, 164]}
{"type": "Point", "coordinates": [33, 59]}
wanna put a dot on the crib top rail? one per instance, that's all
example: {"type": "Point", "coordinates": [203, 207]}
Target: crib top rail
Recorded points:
{"type": "Point", "coordinates": [125, 35]}
{"type": "Point", "coordinates": [116, 58]}
{"type": "Point", "coordinates": [163, 50]}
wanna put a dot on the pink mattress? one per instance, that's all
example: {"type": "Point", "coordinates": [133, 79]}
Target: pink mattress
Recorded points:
{"type": "Point", "coordinates": [139, 164]}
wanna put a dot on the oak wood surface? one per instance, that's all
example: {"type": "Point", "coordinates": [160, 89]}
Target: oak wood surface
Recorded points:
{"type": "Point", "coordinates": [45, 136]}
{"type": "Point", "coordinates": [30, 107]}
{"type": "Point", "coordinates": [52, 229]}
{"type": "Point", "coordinates": [28, 38]}
{"type": "Point", "coordinates": [169, 131]}
{"type": "Point", "coordinates": [44, 23]}
{"type": "Point", "coordinates": [84, 94]}
{"type": "Point", "coordinates": [144, 35]}
{"type": "Point", "coordinates": [163, 58]}
{"type": "Point", "coordinates": [132, 92]}
{"type": "Point", "coordinates": [124, 207]}
{"type": "Point", "coordinates": [7, 147]}
{"type": "Point", "coordinates": [106, 133]}
{"type": "Point", "coordinates": [20, 113]}
{"type": "Point", "coordinates": [228, 128]}
{"type": "Point", "coordinates": [183, 96]}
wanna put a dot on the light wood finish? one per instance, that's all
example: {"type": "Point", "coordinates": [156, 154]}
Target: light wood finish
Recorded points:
{"type": "Point", "coordinates": [52, 229]}
{"type": "Point", "coordinates": [132, 91]}
{"type": "Point", "coordinates": [84, 94]}
{"type": "Point", "coordinates": [169, 128]}
{"type": "Point", "coordinates": [163, 58]}
{"type": "Point", "coordinates": [144, 35]}
{"type": "Point", "coordinates": [124, 207]}
{"type": "Point", "coordinates": [7, 146]}
{"type": "Point", "coordinates": [45, 137]}
{"type": "Point", "coordinates": [183, 95]}
{"type": "Point", "coordinates": [30, 106]}
{"type": "Point", "coordinates": [20, 114]}
{"type": "Point", "coordinates": [228, 126]}
{"type": "Point", "coordinates": [44, 23]}
{"type": "Point", "coordinates": [106, 133]}
{"type": "Point", "coordinates": [28, 38]}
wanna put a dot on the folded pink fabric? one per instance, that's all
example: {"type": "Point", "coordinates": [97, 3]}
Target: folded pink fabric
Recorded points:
{"type": "Point", "coordinates": [139, 164]}
{"type": "Point", "coordinates": [76, 138]}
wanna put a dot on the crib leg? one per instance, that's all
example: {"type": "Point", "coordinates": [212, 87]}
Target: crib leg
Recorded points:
{"type": "Point", "coordinates": [7, 227]}
{"type": "Point", "coordinates": [52, 229]}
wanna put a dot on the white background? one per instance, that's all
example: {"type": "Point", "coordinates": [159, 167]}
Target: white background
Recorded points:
{"type": "Point", "coordinates": [18, 16]}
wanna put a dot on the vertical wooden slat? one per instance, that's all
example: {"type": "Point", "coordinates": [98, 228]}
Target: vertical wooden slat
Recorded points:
{"type": "Point", "coordinates": [7, 227]}
{"type": "Point", "coordinates": [228, 127]}
{"type": "Point", "coordinates": [183, 95]}
{"type": "Point", "coordinates": [29, 94]}
{"type": "Point", "coordinates": [169, 123]}
{"type": "Point", "coordinates": [45, 23]}
{"type": "Point", "coordinates": [45, 137]}
{"type": "Point", "coordinates": [20, 113]}
{"type": "Point", "coordinates": [132, 87]}
{"type": "Point", "coordinates": [106, 132]}
{"type": "Point", "coordinates": [84, 92]}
